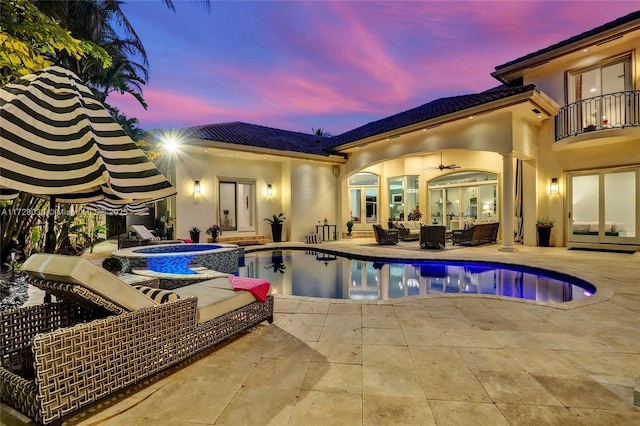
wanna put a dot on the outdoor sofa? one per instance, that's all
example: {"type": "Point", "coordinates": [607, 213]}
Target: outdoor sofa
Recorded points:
{"type": "Point", "coordinates": [408, 230]}
{"type": "Point", "coordinates": [104, 335]}
{"type": "Point", "coordinates": [480, 233]}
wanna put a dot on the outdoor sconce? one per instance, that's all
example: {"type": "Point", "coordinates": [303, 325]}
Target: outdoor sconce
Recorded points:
{"type": "Point", "coordinates": [197, 189]}
{"type": "Point", "coordinates": [269, 190]}
{"type": "Point", "coordinates": [553, 187]}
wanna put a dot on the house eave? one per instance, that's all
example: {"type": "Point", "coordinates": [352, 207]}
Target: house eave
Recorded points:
{"type": "Point", "coordinates": [515, 70]}
{"type": "Point", "coordinates": [539, 99]}
{"type": "Point", "coordinates": [205, 143]}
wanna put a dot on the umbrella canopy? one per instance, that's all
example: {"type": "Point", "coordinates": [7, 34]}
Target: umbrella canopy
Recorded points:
{"type": "Point", "coordinates": [58, 141]}
{"type": "Point", "coordinates": [108, 208]}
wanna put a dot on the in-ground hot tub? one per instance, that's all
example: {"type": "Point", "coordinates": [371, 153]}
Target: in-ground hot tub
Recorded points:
{"type": "Point", "coordinates": [175, 258]}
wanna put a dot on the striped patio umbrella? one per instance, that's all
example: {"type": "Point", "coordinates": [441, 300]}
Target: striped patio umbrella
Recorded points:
{"type": "Point", "coordinates": [58, 141]}
{"type": "Point", "coordinates": [109, 208]}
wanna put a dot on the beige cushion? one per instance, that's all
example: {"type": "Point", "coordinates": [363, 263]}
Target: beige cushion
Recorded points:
{"type": "Point", "coordinates": [143, 232]}
{"type": "Point", "coordinates": [80, 271]}
{"type": "Point", "coordinates": [215, 297]}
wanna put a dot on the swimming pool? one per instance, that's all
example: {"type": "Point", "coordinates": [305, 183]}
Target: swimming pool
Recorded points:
{"type": "Point", "coordinates": [320, 274]}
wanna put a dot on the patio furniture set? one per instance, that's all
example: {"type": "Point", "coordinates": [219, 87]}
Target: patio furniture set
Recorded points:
{"type": "Point", "coordinates": [435, 236]}
{"type": "Point", "coordinates": [103, 335]}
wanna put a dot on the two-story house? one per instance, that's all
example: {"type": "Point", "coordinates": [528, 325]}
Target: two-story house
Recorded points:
{"type": "Point", "coordinates": [558, 139]}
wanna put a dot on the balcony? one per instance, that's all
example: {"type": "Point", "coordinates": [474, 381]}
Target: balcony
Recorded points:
{"type": "Point", "coordinates": [611, 111]}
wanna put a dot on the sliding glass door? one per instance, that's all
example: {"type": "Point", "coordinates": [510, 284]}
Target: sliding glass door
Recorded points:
{"type": "Point", "coordinates": [459, 200]}
{"type": "Point", "coordinates": [237, 205]}
{"type": "Point", "coordinates": [603, 206]}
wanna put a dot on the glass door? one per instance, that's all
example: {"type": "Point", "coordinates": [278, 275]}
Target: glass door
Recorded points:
{"type": "Point", "coordinates": [246, 215]}
{"type": "Point", "coordinates": [459, 200]}
{"type": "Point", "coordinates": [436, 207]}
{"type": "Point", "coordinates": [404, 198]}
{"type": "Point", "coordinates": [600, 90]}
{"type": "Point", "coordinates": [453, 207]}
{"type": "Point", "coordinates": [371, 203]}
{"type": "Point", "coordinates": [363, 198]}
{"type": "Point", "coordinates": [603, 206]}
{"type": "Point", "coordinates": [355, 205]}
{"type": "Point", "coordinates": [236, 206]}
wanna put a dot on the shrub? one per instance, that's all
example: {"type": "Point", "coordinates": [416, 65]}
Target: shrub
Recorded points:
{"type": "Point", "coordinates": [112, 264]}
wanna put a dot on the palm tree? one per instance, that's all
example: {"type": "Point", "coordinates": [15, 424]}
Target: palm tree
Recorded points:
{"type": "Point", "coordinates": [321, 134]}
{"type": "Point", "coordinates": [104, 23]}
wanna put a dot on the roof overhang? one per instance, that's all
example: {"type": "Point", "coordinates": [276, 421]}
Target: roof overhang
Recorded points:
{"type": "Point", "coordinates": [516, 69]}
{"type": "Point", "coordinates": [548, 108]}
{"type": "Point", "coordinates": [233, 149]}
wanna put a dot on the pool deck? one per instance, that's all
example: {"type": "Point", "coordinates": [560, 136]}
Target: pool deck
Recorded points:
{"type": "Point", "coordinates": [434, 360]}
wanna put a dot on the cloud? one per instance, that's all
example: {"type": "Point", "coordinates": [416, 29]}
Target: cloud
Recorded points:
{"type": "Point", "coordinates": [297, 65]}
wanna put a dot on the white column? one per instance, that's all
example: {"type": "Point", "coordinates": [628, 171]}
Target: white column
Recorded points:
{"type": "Point", "coordinates": [508, 202]}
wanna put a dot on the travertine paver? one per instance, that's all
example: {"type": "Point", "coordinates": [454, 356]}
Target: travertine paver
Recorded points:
{"type": "Point", "coordinates": [435, 360]}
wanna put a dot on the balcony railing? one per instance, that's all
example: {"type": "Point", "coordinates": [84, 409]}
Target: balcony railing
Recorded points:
{"type": "Point", "coordinates": [610, 111]}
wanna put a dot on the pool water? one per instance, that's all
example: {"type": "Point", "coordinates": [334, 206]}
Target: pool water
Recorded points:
{"type": "Point", "coordinates": [319, 274]}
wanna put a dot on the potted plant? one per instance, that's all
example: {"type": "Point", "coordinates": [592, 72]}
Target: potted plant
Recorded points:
{"type": "Point", "coordinates": [349, 227]}
{"type": "Point", "coordinates": [276, 222]}
{"type": "Point", "coordinates": [113, 265]}
{"type": "Point", "coordinates": [214, 230]}
{"type": "Point", "coordinates": [195, 234]}
{"type": "Point", "coordinates": [544, 226]}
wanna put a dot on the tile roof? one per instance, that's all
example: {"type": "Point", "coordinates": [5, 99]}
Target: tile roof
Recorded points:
{"type": "Point", "coordinates": [434, 109]}
{"type": "Point", "coordinates": [254, 135]}
{"type": "Point", "coordinates": [258, 136]}
{"type": "Point", "coordinates": [610, 25]}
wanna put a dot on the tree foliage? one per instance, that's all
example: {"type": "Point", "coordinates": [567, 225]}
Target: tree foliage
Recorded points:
{"type": "Point", "coordinates": [30, 41]}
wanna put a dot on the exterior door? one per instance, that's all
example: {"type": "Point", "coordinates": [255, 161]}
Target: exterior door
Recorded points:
{"type": "Point", "coordinates": [363, 198]}
{"type": "Point", "coordinates": [603, 206]}
{"type": "Point", "coordinates": [237, 206]}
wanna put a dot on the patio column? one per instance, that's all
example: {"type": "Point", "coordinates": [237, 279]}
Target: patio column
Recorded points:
{"type": "Point", "coordinates": [508, 203]}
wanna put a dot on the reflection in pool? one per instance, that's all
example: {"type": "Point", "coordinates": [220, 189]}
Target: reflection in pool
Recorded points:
{"type": "Point", "coordinates": [318, 274]}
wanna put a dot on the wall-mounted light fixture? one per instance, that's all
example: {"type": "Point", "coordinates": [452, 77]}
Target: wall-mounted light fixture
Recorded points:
{"type": "Point", "coordinates": [553, 186]}
{"type": "Point", "coordinates": [269, 190]}
{"type": "Point", "coordinates": [197, 189]}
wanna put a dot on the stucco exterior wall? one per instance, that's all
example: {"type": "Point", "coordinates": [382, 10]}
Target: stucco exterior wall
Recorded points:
{"type": "Point", "coordinates": [314, 197]}
{"type": "Point", "coordinates": [550, 77]}
{"type": "Point", "coordinates": [202, 210]}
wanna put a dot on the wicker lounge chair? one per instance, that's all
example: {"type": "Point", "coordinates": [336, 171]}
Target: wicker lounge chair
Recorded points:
{"type": "Point", "coordinates": [145, 237]}
{"type": "Point", "coordinates": [481, 233]}
{"type": "Point", "coordinates": [433, 236]}
{"type": "Point", "coordinates": [105, 335]}
{"type": "Point", "coordinates": [385, 236]}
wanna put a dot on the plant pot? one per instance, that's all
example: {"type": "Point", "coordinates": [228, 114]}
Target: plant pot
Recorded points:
{"type": "Point", "coordinates": [276, 232]}
{"type": "Point", "coordinates": [195, 236]}
{"type": "Point", "coordinates": [349, 228]}
{"type": "Point", "coordinates": [214, 236]}
{"type": "Point", "coordinates": [544, 235]}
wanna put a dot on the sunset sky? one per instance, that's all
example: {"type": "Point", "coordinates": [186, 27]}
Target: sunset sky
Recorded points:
{"type": "Point", "coordinates": [334, 65]}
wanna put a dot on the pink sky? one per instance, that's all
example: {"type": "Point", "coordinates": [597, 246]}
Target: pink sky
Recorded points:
{"type": "Point", "coordinates": [330, 64]}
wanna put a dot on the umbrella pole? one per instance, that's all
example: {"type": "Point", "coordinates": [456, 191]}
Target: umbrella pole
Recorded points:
{"type": "Point", "coordinates": [50, 238]}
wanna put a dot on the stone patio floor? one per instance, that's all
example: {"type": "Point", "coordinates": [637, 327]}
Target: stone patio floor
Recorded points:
{"type": "Point", "coordinates": [433, 360]}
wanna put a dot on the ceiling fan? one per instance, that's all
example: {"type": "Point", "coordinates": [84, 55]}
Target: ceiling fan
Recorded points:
{"type": "Point", "coordinates": [442, 166]}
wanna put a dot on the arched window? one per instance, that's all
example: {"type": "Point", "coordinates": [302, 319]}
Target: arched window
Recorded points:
{"type": "Point", "coordinates": [458, 200]}
{"type": "Point", "coordinates": [363, 198]}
